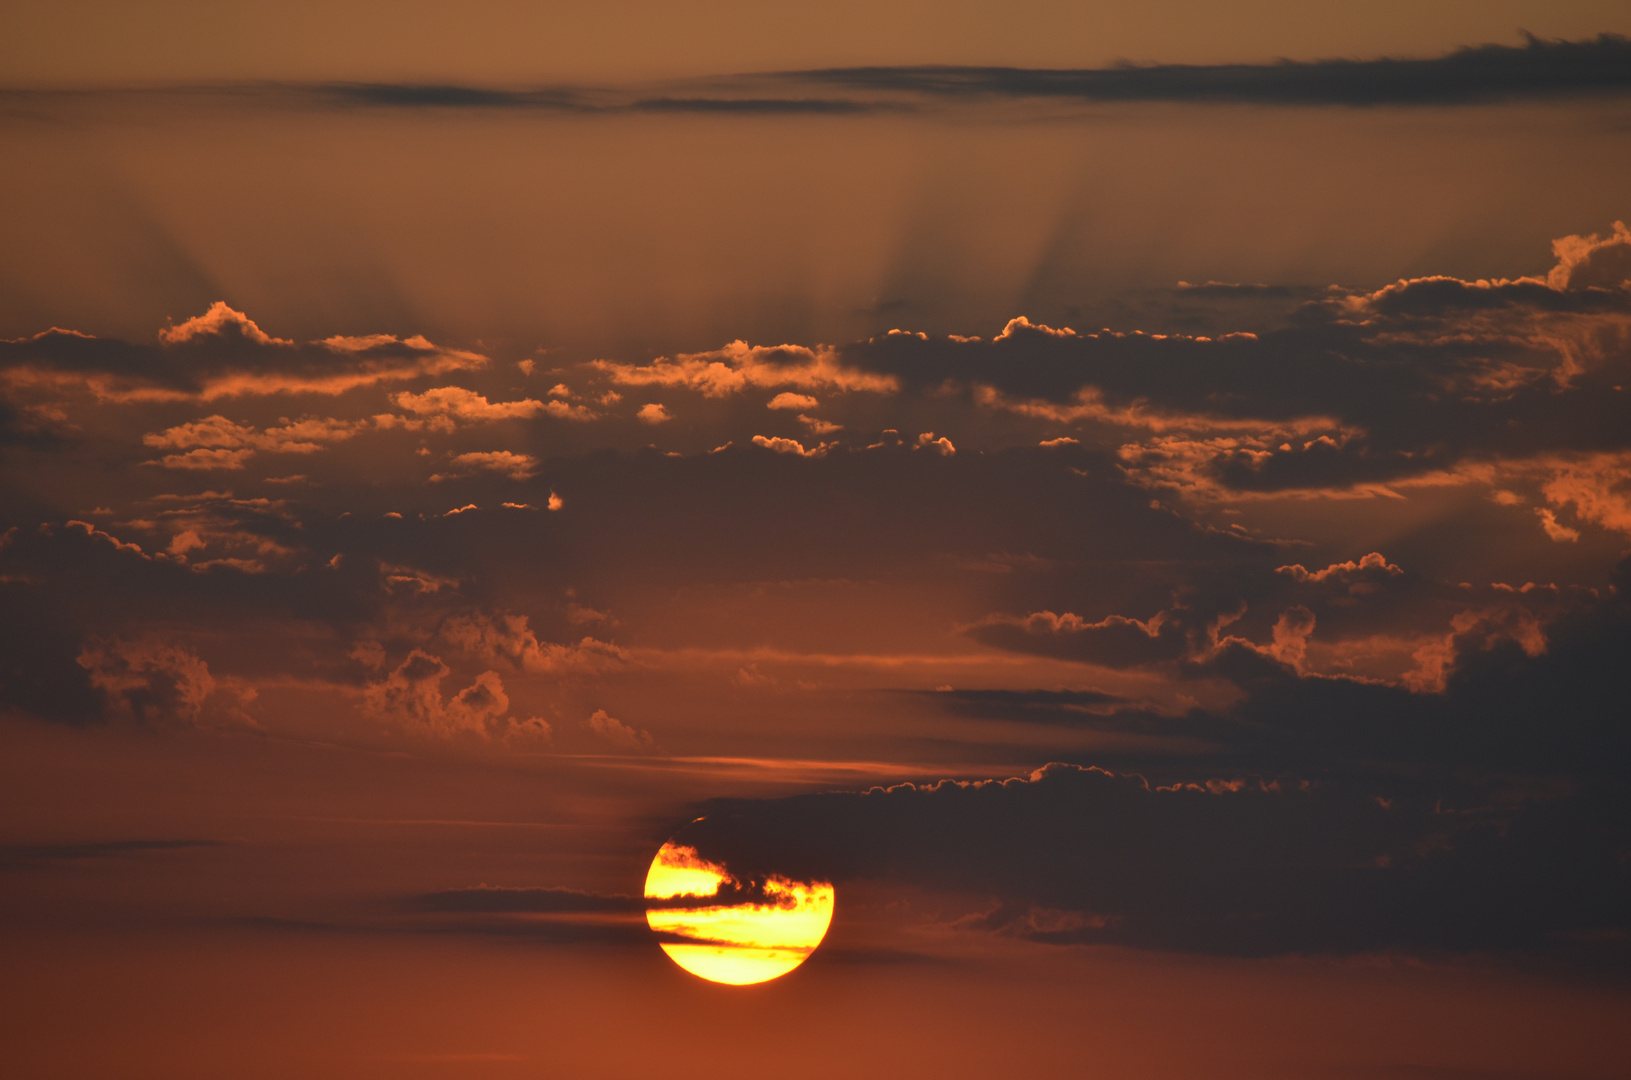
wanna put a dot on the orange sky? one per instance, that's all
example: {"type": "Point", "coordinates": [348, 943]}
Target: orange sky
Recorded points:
{"type": "Point", "coordinates": [510, 40]}
{"type": "Point", "coordinates": [1154, 539]}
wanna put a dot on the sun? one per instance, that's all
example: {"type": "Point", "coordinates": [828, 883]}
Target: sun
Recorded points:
{"type": "Point", "coordinates": [730, 930]}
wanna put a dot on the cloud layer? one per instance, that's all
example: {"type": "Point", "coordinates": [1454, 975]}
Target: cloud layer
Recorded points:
{"type": "Point", "coordinates": [1322, 625]}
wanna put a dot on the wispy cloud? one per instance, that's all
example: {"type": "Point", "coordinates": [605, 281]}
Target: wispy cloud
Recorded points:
{"type": "Point", "coordinates": [1537, 70]}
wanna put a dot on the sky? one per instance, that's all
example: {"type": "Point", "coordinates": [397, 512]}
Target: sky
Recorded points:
{"type": "Point", "coordinates": [1125, 509]}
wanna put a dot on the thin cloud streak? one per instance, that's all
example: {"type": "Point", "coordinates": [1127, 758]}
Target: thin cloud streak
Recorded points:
{"type": "Point", "coordinates": [1487, 73]}
{"type": "Point", "coordinates": [1540, 70]}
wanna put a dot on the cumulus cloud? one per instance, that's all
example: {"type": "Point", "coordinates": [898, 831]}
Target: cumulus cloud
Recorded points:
{"type": "Point", "coordinates": [1374, 563]}
{"type": "Point", "coordinates": [1596, 486]}
{"type": "Point", "coordinates": [220, 354]}
{"type": "Point", "coordinates": [1359, 393]}
{"type": "Point", "coordinates": [1157, 529]}
{"type": "Point", "coordinates": [205, 460]}
{"type": "Point", "coordinates": [779, 445]}
{"type": "Point", "coordinates": [153, 681]}
{"type": "Point", "coordinates": [411, 696]}
{"type": "Point", "coordinates": [502, 636]}
{"type": "Point", "coordinates": [218, 443]}
{"type": "Point", "coordinates": [456, 404]}
{"type": "Point", "coordinates": [739, 366]}
{"type": "Point", "coordinates": [618, 734]}
{"type": "Point", "coordinates": [653, 413]}
{"type": "Point", "coordinates": [1592, 262]}
{"type": "Point", "coordinates": [507, 462]}
{"type": "Point", "coordinates": [209, 530]}
{"type": "Point", "coordinates": [789, 400]}
{"type": "Point", "coordinates": [1114, 641]}
{"type": "Point", "coordinates": [219, 324]}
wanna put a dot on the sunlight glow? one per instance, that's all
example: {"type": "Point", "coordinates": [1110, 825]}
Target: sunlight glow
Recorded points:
{"type": "Point", "coordinates": [735, 943]}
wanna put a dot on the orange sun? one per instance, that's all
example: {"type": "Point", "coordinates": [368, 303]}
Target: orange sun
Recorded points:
{"type": "Point", "coordinates": [734, 942]}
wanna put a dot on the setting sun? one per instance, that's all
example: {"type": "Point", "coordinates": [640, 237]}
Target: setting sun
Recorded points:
{"type": "Point", "coordinates": [752, 940]}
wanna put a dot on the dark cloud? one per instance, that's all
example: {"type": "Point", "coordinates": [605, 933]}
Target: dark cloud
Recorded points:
{"type": "Point", "coordinates": [1044, 706]}
{"type": "Point", "coordinates": [1360, 389]}
{"type": "Point", "coordinates": [434, 96]}
{"type": "Point", "coordinates": [221, 353]}
{"type": "Point", "coordinates": [754, 106]}
{"type": "Point", "coordinates": [1238, 866]}
{"type": "Point", "coordinates": [1315, 814]}
{"type": "Point", "coordinates": [509, 900]}
{"type": "Point", "coordinates": [1236, 289]}
{"type": "Point", "coordinates": [41, 856]}
{"type": "Point", "coordinates": [39, 675]}
{"type": "Point", "coordinates": [1539, 69]}
{"type": "Point", "coordinates": [1115, 641]}
{"type": "Point", "coordinates": [1335, 751]}
{"type": "Point", "coordinates": [1504, 689]}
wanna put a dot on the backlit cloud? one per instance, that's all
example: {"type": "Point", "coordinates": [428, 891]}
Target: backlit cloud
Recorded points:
{"type": "Point", "coordinates": [739, 366]}
{"type": "Point", "coordinates": [221, 354]}
{"type": "Point", "coordinates": [513, 465]}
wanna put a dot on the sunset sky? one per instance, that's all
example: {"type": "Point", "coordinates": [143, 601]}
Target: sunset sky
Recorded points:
{"type": "Point", "coordinates": [1134, 497]}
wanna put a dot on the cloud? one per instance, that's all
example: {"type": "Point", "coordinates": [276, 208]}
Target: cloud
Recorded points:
{"type": "Point", "coordinates": [617, 733]}
{"type": "Point", "coordinates": [513, 465]}
{"type": "Point", "coordinates": [754, 106]}
{"type": "Point", "coordinates": [779, 445]}
{"type": "Point", "coordinates": [1345, 572]}
{"type": "Point", "coordinates": [411, 697]}
{"type": "Point", "coordinates": [218, 443]}
{"type": "Point", "coordinates": [152, 681]}
{"type": "Point", "coordinates": [416, 582]}
{"type": "Point", "coordinates": [1114, 641]}
{"type": "Point", "coordinates": [220, 354]}
{"type": "Point", "coordinates": [1560, 533]}
{"type": "Point", "coordinates": [219, 324]}
{"type": "Point", "coordinates": [1539, 69]}
{"type": "Point", "coordinates": [1234, 866]}
{"type": "Point", "coordinates": [1597, 486]}
{"type": "Point", "coordinates": [653, 413]}
{"type": "Point", "coordinates": [1592, 262]}
{"type": "Point", "coordinates": [510, 900]}
{"type": "Point", "coordinates": [739, 366]}
{"type": "Point", "coordinates": [1446, 681]}
{"type": "Point", "coordinates": [455, 403]}
{"type": "Point", "coordinates": [215, 530]}
{"type": "Point", "coordinates": [789, 400]}
{"type": "Point", "coordinates": [205, 460]}
{"type": "Point", "coordinates": [1357, 394]}
{"type": "Point", "coordinates": [501, 636]}
{"type": "Point", "coordinates": [1064, 707]}
{"type": "Point", "coordinates": [819, 427]}
{"type": "Point", "coordinates": [38, 856]}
